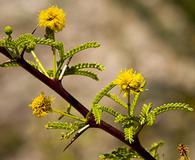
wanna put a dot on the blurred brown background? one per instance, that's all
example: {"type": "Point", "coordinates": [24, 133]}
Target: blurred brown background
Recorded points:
{"type": "Point", "coordinates": [156, 37]}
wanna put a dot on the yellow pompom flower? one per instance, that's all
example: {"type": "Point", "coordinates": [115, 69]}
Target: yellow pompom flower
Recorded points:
{"type": "Point", "coordinates": [53, 18]}
{"type": "Point", "coordinates": [129, 80]}
{"type": "Point", "coordinates": [41, 105]}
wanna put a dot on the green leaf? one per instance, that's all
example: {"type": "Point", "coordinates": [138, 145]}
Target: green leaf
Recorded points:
{"type": "Point", "coordinates": [129, 133]}
{"type": "Point", "coordinates": [64, 125]}
{"type": "Point", "coordinates": [88, 65]}
{"type": "Point", "coordinates": [117, 100]}
{"type": "Point", "coordinates": [11, 63]}
{"type": "Point", "coordinates": [81, 47]}
{"type": "Point", "coordinates": [121, 153]}
{"type": "Point", "coordinates": [108, 110]}
{"type": "Point", "coordinates": [14, 63]}
{"type": "Point", "coordinates": [10, 46]}
{"type": "Point", "coordinates": [75, 50]}
{"type": "Point", "coordinates": [50, 42]}
{"type": "Point", "coordinates": [97, 112]}
{"type": "Point", "coordinates": [68, 134]}
{"type": "Point", "coordinates": [145, 117]}
{"type": "Point", "coordinates": [154, 149]}
{"type": "Point", "coordinates": [103, 93]}
{"type": "Point", "coordinates": [120, 118]}
{"type": "Point", "coordinates": [171, 106]}
{"type": "Point", "coordinates": [81, 73]}
{"type": "Point", "coordinates": [134, 103]}
{"type": "Point", "coordinates": [25, 41]}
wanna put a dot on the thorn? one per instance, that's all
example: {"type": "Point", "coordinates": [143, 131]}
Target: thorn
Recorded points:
{"type": "Point", "coordinates": [77, 135]}
{"type": "Point", "coordinates": [34, 30]}
{"type": "Point", "coordinates": [62, 73]}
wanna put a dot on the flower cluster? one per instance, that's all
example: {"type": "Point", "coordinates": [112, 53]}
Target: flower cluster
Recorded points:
{"type": "Point", "coordinates": [129, 80]}
{"type": "Point", "coordinates": [53, 18]}
{"type": "Point", "coordinates": [41, 105]}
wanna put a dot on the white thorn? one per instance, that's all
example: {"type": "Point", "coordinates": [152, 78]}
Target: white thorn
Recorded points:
{"type": "Point", "coordinates": [62, 73]}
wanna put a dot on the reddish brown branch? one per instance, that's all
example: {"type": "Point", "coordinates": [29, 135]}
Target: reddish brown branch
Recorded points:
{"type": "Point", "coordinates": [58, 88]}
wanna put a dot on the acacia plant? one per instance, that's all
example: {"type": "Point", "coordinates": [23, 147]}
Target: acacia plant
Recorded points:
{"type": "Point", "coordinates": [130, 83]}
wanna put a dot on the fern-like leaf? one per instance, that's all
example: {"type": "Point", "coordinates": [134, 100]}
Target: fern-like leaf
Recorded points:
{"type": "Point", "coordinates": [97, 112]}
{"type": "Point", "coordinates": [81, 73]}
{"type": "Point", "coordinates": [10, 46]}
{"type": "Point", "coordinates": [134, 103]}
{"type": "Point", "coordinates": [171, 106]}
{"type": "Point", "coordinates": [154, 149]}
{"type": "Point", "coordinates": [11, 63]}
{"type": "Point", "coordinates": [50, 42]}
{"type": "Point", "coordinates": [25, 41]}
{"type": "Point", "coordinates": [144, 116]}
{"type": "Point", "coordinates": [108, 110]}
{"type": "Point", "coordinates": [120, 118]}
{"type": "Point", "coordinates": [68, 134]}
{"type": "Point", "coordinates": [129, 133]}
{"type": "Point", "coordinates": [117, 100]}
{"type": "Point", "coordinates": [121, 153]}
{"type": "Point", "coordinates": [64, 125]}
{"type": "Point", "coordinates": [75, 50]}
{"type": "Point", "coordinates": [88, 65]}
{"type": "Point", "coordinates": [103, 93]}
{"type": "Point", "coordinates": [81, 47]}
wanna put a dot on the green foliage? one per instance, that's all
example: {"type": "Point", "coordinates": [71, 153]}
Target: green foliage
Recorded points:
{"type": "Point", "coordinates": [134, 103]}
{"type": "Point", "coordinates": [131, 122]}
{"type": "Point", "coordinates": [109, 110]}
{"type": "Point", "coordinates": [75, 50]}
{"type": "Point", "coordinates": [95, 107]}
{"type": "Point", "coordinates": [86, 73]}
{"type": "Point", "coordinates": [64, 125]}
{"type": "Point", "coordinates": [154, 149]}
{"type": "Point", "coordinates": [79, 48]}
{"type": "Point", "coordinates": [98, 109]}
{"type": "Point", "coordinates": [129, 133]}
{"type": "Point", "coordinates": [145, 116]}
{"type": "Point", "coordinates": [117, 100]}
{"type": "Point", "coordinates": [29, 41]}
{"type": "Point", "coordinates": [121, 153]}
{"type": "Point", "coordinates": [88, 65]}
{"type": "Point", "coordinates": [10, 46]}
{"type": "Point", "coordinates": [11, 63]}
{"type": "Point", "coordinates": [120, 118]}
{"type": "Point", "coordinates": [25, 41]}
{"type": "Point", "coordinates": [71, 128]}
{"type": "Point", "coordinates": [171, 106]}
{"type": "Point", "coordinates": [148, 116]}
{"type": "Point", "coordinates": [97, 113]}
{"type": "Point", "coordinates": [78, 69]}
{"type": "Point", "coordinates": [103, 93]}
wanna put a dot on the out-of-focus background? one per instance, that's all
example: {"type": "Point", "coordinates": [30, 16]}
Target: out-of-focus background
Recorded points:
{"type": "Point", "coordinates": [156, 37]}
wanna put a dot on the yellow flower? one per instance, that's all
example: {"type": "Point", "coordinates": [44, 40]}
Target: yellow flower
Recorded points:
{"type": "Point", "coordinates": [129, 80]}
{"type": "Point", "coordinates": [41, 105]}
{"type": "Point", "coordinates": [53, 18]}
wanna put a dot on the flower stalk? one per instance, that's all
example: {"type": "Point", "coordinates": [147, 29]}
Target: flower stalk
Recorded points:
{"type": "Point", "coordinates": [68, 115]}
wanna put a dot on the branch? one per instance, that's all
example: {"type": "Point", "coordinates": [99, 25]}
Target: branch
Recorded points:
{"type": "Point", "coordinates": [56, 85]}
